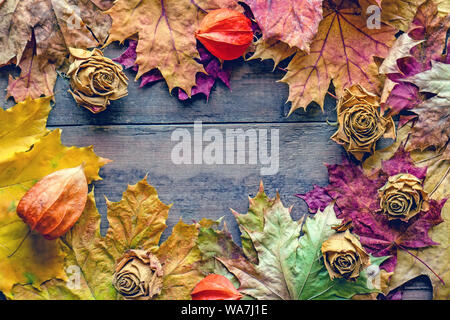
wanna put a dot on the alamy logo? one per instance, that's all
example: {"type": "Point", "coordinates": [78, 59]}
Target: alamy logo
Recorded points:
{"type": "Point", "coordinates": [214, 147]}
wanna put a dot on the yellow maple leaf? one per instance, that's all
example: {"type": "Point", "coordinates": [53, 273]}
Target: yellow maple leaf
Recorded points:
{"type": "Point", "coordinates": [22, 126]}
{"type": "Point", "coordinates": [137, 221]}
{"type": "Point", "coordinates": [35, 156]}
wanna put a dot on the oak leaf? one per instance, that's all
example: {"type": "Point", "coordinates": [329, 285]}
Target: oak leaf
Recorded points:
{"type": "Point", "coordinates": [166, 35]}
{"type": "Point", "coordinates": [293, 22]}
{"type": "Point", "coordinates": [38, 153]}
{"type": "Point", "coordinates": [343, 51]}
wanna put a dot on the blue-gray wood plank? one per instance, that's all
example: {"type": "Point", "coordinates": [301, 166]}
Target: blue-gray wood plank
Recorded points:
{"type": "Point", "coordinates": [136, 131]}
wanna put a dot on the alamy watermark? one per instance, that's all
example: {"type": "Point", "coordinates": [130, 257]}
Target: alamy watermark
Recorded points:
{"type": "Point", "coordinates": [227, 147]}
{"type": "Point", "coordinates": [73, 277]}
{"type": "Point", "coordinates": [373, 17]}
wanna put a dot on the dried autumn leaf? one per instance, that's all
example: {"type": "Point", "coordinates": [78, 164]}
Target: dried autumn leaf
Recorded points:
{"type": "Point", "coordinates": [433, 125]}
{"type": "Point", "coordinates": [36, 259]}
{"type": "Point", "coordinates": [35, 35]}
{"type": "Point", "coordinates": [437, 180]}
{"type": "Point", "coordinates": [271, 50]}
{"type": "Point", "coordinates": [436, 184]}
{"type": "Point", "coordinates": [135, 223]}
{"type": "Point", "coordinates": [23, 125]}
{"type": "Point", "coordinates": [343, 51]}
{"type": "Point", "coordinates": [357, 198]}
{"type": "Point", "coordinates": [166, 35]}
{"type": "Point", "coordinates": [215, 287]}
{"type": "Point", "coordinates": [400, 49]}
{"type": "Point", "coordinates": [54, 204]}
{"type": "Point", "coordinates": [436, 258]}
{"type": "Point", "coordinates": [37, 77]}
{"type": "Point", "coordinates": [399, 13]}
{"type": "Point", "coordinates": [430, 26]}
{"type": "Point", "coordinates": [430, 29]}
{"type": "Point", "coordinates": [204, 82]}
{"type": "Point", "coordinates": [289, 266]}
{"type": "Point", "coordinates": [293, 22]}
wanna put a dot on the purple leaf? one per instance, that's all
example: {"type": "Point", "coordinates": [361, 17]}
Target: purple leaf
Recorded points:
{"type": "Point", "coordinates": [204, 82]}
{"type": "Point", "coordinates": [356, 198]}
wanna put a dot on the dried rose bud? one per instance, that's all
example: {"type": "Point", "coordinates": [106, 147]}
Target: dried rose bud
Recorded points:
{"type": "Point", "coordinates": [95, 80]}
{"type": "Point", "coordinates": [215, 287]}
{"type": "Point", "coordinates": [225, 33]}
{"type": "Point", "coordinates": [402, 197]}
{"type": "Point", "coordinates": [344, 256]}
{"type": "Point", "coordinates": [360, 122]}
{"type": "Point", "coordinates": [53, 205]}
{"type": "Point", "coordinates": [138, 275]}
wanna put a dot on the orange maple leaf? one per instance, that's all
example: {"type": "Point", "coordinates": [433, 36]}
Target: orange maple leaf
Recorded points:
{"type": "Point", "coordinates": [343, 51]}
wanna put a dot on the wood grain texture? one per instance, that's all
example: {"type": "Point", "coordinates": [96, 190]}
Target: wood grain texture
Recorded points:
{"type": "Point", "coordinates": [136, 131]}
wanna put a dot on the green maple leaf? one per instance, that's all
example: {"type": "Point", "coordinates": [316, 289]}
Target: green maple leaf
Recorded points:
{"type": "Point", "coordinates": [289, 260]}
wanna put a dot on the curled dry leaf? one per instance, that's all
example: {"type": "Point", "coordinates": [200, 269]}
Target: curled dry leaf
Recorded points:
{"type": "Point", "coordinates": [36, 35]}
{"type": "Point", "coordinates": [138, 275]}
{"type": "Point", "coordinates": [360, 122]}
{"type": "Point", "coordinates": [54, 204]}
{"type": "Point", "coordinates": [226, 33]}
{"type": "Point", "coordinates": [95, 79]}
{"type": "Point", "coordinates": [215, 287]}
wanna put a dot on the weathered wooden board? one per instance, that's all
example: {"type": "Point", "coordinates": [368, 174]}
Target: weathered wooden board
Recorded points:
{"type": "Point", "coordinates": [255, 96]}
{"type": "Point", "coordinates": [207, 190]}
{"type": "Point", "coordinates": [136, 132]}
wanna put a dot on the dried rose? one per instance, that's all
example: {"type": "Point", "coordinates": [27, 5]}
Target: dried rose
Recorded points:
{"type": "Point", "coordinates": [344, 256]}
{"type": "Point", "coordinates": [225, 33]}
{"type": "Point", "coordinates": [95, 80]}
{"type": "Point", "coordinates": [138, 275]}
{"type": "Point", "coordinates": [360, 122]}
{"type": "Point", "coordinates": [215, 287]}
{"type": "Point", "coordinates": [402, 197]}
{"type": "Point", "coordinates": [53, 205]}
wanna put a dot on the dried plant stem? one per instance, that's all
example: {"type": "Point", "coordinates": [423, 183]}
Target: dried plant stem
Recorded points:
{"type": "Point", "coordinates": [423, 262]}
{"type": "Point", "coordinates": [440, 181]}
{"type": "Point", "coordinates": [20, 244]}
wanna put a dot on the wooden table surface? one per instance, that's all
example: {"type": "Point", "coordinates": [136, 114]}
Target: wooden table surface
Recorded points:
{"type": "Point", "coordinates": [136, 131]}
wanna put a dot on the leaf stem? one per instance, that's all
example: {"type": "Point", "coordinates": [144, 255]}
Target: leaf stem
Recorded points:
{"type": "Point", "coordinates": [423, 262]}
{"type": "Point", "coordinates": [20, 244]}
